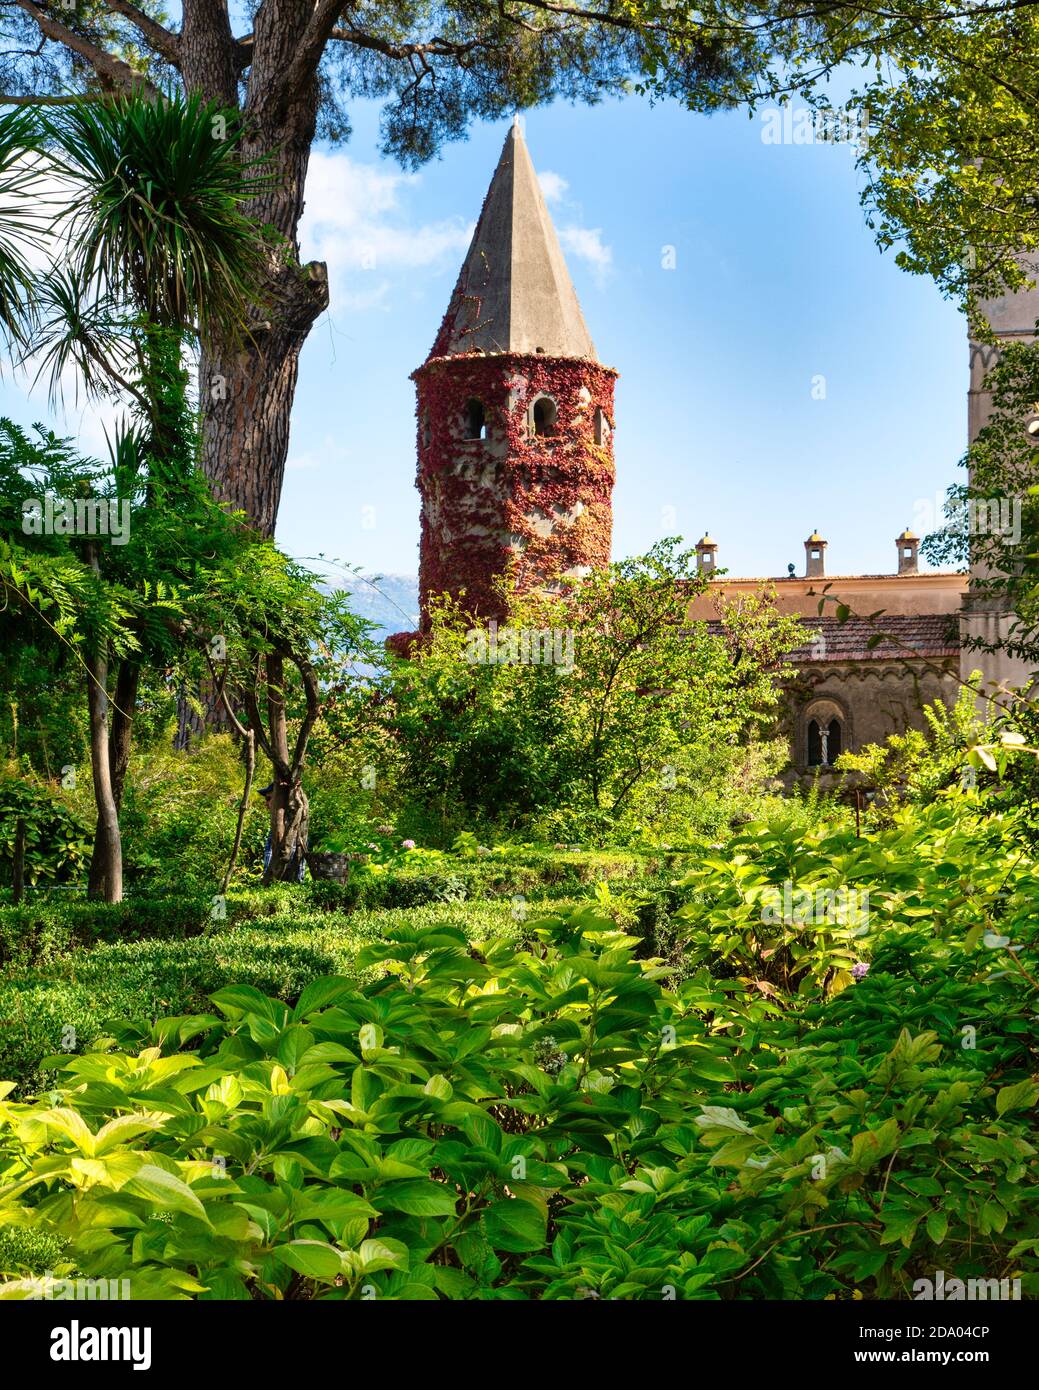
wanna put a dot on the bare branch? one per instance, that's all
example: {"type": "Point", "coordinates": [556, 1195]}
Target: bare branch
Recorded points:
{"type": "Point", "coordinates": [436, 47]}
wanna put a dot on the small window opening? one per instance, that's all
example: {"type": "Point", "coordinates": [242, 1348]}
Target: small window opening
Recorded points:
{"type": "Point", "coordinates": [602, 426]}
{"type": "Point", "coordinates": [544, 416]}
{"type": "Point", "coordinates": [833, 743]}
{"type": "Point", "coordinates": [816, 554]}
{"type": "Point", "coordinates": [907, 551]}
{"type": "Point", "coordinates": [824, 743]}
{"type": "Point", "coordinates": [475, 420]}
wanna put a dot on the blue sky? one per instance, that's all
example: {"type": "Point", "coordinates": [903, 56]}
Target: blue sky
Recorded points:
{"type": "Point", "coordinates": [777, 283]}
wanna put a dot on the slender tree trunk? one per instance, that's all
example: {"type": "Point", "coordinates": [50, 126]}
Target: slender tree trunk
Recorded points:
{"type": "Point", "coordinates": [111, 865]}
{"type": "Point", "coordinates": [290, 809]}
{"type": "Point", "coordinates": [120, 740]}
{"type": "Point", "coordinates": [243, 807]}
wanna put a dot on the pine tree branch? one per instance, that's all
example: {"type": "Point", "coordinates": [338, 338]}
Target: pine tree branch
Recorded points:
{"type": "Point", "coordinates": [164, 43]}
{"type": "Point", "coordinates": [105, 64]}
{"type": "Point", "coordinates": [302, 71]}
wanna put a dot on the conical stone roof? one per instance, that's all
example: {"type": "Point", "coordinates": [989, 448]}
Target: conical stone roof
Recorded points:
{"type": "Point", "coordinates": [514, 292]}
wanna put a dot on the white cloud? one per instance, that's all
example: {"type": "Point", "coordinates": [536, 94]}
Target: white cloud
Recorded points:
{"type": "Point", "coordinates": [587, 245]}
{"type": "Point", "coordinates": [583, 243]}
{"type": "Point", "coordinates": [355, 219]}
{"type": "Point", "coordinates": [553, 186]}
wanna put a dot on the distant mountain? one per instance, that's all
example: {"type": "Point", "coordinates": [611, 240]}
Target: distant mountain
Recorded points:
{"type": "Point", "coordinates": [390, 601]}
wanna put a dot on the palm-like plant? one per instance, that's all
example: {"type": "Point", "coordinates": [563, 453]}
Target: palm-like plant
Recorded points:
{"type": "Point", "coordinates": [156, 213]}
{"type": "Point", "coordinates": [156, 237]}
{"type": "Point", "coordinates": [158, 251]}
{"type": "Point", "coordinates": [22, 217]}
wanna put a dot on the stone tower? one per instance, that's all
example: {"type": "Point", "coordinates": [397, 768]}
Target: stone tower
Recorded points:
{"type": "Point", "coordinates": [986, 616]}
{"type": "Point", "coordinates": [515, 413]}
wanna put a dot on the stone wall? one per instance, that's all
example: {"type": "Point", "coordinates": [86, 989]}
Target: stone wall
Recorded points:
{"type": "Point", "coordinates": [535, 506]}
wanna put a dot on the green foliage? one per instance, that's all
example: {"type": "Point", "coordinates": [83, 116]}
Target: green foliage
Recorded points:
{"type": "Point", "coordinates": [559, 1117]}
{"type": "Point", "coordinates": [56, 839]}
{"type": "Point", "coordinates": [622, 741]}
{"type": "Point", "coordinates": [992, 520]}
{"type": "Point", "coordinates": [156, 208]}
{"type": "Point", "coordinates": [42, 931]}
{"type": "Point", "coordinates": [179, 813]}
{"type": "Point", "coordinates": [917, 765]}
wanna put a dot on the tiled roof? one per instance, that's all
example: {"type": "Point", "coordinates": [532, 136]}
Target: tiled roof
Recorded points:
{"type": "Point", "coordinates": [925, 635]}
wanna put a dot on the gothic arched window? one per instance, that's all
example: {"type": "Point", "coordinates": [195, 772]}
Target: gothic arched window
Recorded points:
{"type": "Point", "coordinates": [833, 742]}
{"type": "Point", "coordinates": [815, 744]}
{"type": "Point", "coordinates": [824, 734]}
{"type": "Point", "coordinates": [475, 420]}
{"type": "Point", "coordinates": [543, 416]}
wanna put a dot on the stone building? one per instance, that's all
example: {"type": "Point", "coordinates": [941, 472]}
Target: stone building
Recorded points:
{"type": "Point", "coordinates": [859, 680]}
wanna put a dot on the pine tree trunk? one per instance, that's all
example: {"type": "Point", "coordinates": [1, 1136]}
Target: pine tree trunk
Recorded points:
{"type": "Point", "coordinates": [246, 389]}
{"type": "Point", "coordinates": [247, 394]}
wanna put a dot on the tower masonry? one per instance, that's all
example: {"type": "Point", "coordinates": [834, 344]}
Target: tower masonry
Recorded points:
{"type": "Point", "coordinates": [515, 413]}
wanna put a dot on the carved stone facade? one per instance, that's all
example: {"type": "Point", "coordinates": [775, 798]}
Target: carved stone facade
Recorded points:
{"type": "Point", "coordinates": [860, 680]}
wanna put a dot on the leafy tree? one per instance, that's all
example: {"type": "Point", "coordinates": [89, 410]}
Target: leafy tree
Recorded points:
{"type": "Point", "coordinates": [278, 650]}
{"type": "Point", "coordinates": [588, 702]}
{"type": "Point", "coordinates": [941, 101]}
{"type": "Point", "coordinates": [435, 66]}
{"type": "Point", "coordinates": [992, 519]}
{"type": "Point", "coordinates": [917, 765]}
{"type": "Point", "coordinates": [157, 248]}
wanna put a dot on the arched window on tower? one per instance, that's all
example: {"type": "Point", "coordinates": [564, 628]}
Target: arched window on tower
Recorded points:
{"type": "Point", "coordinates": [543, 416]}
{"type": "Point", "coordinates": [475, 421]}
{"type": "Point", "coordinates": [602, 426]}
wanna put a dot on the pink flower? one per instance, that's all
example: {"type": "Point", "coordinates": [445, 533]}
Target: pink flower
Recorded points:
{"type": "Point", "coordinates": [859, 969]}
{"type": "Point", "coordinates": [408, 844]}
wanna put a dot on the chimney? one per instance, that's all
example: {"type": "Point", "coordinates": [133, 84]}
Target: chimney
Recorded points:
{"type": "Point", "coordinates": [908, 551]}
{"type": "Point", "coordinates": [706, 555]}
{"type": "Point", "coordinates": [815, 556]}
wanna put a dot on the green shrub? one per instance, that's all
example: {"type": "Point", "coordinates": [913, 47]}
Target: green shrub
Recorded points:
{"type": "Point", "coordinates": [496, 1121]}
{"type": "Point", "coordinates": [179, 815]}
{"type": "Point", "coordinates": [40, 931]}
{"type": "Point", "coordinates": [57, 840]}
{"type": "Point", "coordinates": [122, 985]}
